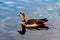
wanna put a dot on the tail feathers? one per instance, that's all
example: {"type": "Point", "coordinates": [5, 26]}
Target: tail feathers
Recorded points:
{"type": "Point", "coordinates": [45, 19]}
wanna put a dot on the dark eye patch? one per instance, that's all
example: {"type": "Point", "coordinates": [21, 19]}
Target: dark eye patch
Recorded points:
{"type": "Point", "coordinates": [20, 13]}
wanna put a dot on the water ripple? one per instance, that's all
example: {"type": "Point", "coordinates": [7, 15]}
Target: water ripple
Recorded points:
{"type": "Point", "coordinates": [49, 9]}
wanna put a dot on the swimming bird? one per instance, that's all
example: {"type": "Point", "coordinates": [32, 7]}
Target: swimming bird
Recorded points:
{"type": "Point", "coordinates": [31, 23]}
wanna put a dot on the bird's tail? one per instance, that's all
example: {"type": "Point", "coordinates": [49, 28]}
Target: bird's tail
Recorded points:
{"type": "Point", "coordinates": [45, 19]}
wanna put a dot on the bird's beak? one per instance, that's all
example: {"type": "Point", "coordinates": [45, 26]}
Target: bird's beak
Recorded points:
{"type": "Point", "coordinates": [18, 14]}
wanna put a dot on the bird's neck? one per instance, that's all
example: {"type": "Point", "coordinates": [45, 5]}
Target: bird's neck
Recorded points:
{"type": "Point", "coordinates": [23, 19]}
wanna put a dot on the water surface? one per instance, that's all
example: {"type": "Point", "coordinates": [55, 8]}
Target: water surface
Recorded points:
{"type": "Point", "coordinates": [9, 21]}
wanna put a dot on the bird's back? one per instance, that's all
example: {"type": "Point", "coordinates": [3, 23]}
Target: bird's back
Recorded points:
{"type": "Point", "coordinates": [36, 21]}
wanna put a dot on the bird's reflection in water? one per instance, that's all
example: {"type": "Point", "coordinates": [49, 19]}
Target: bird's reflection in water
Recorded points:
{"type": "Point", "coordinates": [41, 27]}
{"type": "Point", "coordinates": [31, 23]}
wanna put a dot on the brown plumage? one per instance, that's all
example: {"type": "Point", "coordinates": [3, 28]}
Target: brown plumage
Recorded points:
{"type": "Point", "coordinates": [32, 23]}
{"type": "Point", "coordinates": [37, 21]}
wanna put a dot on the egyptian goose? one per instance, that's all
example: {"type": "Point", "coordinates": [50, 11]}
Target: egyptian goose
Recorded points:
{"type": "Point", "coordinates": [32, 23]}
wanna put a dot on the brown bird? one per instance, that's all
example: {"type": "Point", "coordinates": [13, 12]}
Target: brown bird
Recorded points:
{"type": "Point", "coordinates": [31, 23]}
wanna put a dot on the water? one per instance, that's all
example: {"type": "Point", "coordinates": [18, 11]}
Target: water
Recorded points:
{"type": "Point", "coordinates": [9, 21]}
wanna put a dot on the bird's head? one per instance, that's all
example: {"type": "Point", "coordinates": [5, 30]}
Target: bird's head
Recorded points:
{"type": "Point", "coordinates": [21, 14]}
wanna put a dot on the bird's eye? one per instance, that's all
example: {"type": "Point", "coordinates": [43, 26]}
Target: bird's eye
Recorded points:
{"type": "Point", "coordinates": [20, 13]}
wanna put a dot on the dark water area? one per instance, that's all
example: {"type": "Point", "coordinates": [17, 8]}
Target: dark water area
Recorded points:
{"type": "Point", "coordinates": [10, 22]}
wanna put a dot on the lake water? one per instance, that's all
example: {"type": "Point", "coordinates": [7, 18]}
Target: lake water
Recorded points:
{"type": "Point", "coordinates": [9, 21]}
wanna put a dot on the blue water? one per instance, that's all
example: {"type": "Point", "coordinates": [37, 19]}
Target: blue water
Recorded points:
{"type": "Point", "coordinates": [39, 8]}
{"type": "Point", "coordinates": [50, 9]}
